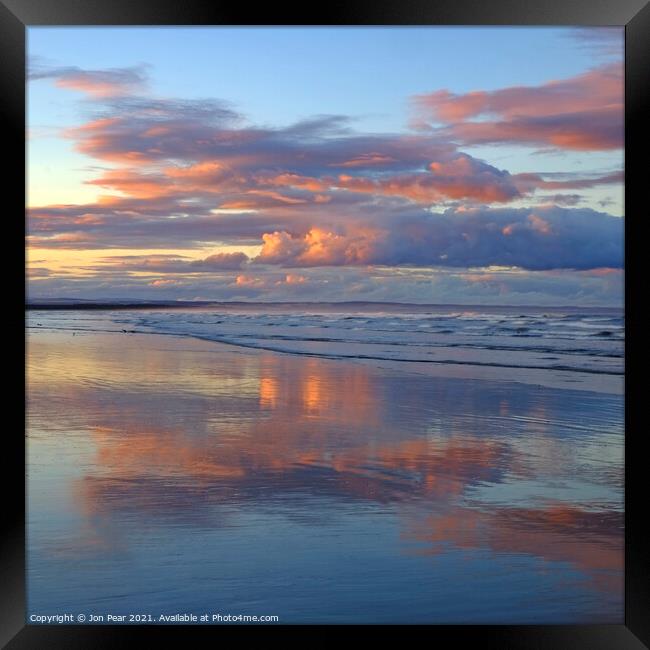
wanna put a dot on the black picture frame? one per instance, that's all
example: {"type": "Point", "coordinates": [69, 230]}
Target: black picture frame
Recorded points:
{"type": "Point", "coordinates": [17, 15]}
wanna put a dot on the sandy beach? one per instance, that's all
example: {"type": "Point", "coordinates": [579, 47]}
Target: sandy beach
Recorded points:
{"type": "Point", "coordinates": [170, 475]}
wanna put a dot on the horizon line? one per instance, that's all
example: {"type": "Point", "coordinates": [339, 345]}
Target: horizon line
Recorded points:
{"type": "Point", "coordinates": [81, 303]}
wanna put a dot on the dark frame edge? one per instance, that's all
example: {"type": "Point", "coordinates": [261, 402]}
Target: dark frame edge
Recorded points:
{"type": "Point", "coordinates": [12, 117]}
{"type": "Point", "coordinates": [635, 14]}
{"type": "Point", "coordinates": [493, 637]}
{"type": "Point", "coordinates": [360, 12]}
{"type": "Point", "coordinates": [637, 96]}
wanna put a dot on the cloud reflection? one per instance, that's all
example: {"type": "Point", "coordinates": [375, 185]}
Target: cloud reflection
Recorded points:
{"type": "Point", "coordinates": [219, 432]}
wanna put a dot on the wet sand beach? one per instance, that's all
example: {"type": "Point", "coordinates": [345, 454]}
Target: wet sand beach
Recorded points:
{"type": "Point", "coordinates": [174, 475]}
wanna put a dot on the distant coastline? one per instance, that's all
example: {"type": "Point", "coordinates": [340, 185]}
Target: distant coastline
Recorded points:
{"type": "Point", "coordinates": [66, 306]}
{"type": "Point", "coordinates": [76, 304]}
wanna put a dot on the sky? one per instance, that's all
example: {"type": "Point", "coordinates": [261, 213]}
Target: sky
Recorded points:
{"type": "Point", "coordinates": [455, 165]}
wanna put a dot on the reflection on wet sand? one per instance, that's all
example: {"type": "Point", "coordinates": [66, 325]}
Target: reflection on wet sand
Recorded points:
{"type": "Point", "coordinates": [192, 438]}
{"type": "Point", "coordinates": [590, 541]}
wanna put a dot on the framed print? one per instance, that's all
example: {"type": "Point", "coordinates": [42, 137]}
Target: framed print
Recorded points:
{"type": "Point", "coordinates": [329, 321]}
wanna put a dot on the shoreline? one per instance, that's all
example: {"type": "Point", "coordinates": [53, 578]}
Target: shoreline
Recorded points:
{"type": "Point", "coordinates": [611, 384]}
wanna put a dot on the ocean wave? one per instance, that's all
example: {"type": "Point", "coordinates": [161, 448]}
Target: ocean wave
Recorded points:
{"type": "Point", "coordinates": [589, 343]}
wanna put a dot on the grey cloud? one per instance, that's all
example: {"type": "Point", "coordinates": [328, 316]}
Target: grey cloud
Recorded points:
{"type": "Point", "coordinates": [540, 239]}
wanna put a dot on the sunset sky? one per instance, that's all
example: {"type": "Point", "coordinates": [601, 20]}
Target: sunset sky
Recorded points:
{"type": "Point", "coordinates": [430, 165]}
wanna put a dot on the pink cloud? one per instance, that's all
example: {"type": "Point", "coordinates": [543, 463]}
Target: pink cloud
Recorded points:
{"type": "Point", "coordinates": [113, 82]}
{"type": "Point", "coordinates": [321, 247]}
{"type": "Point", "coordinates": [584, 112]}
{"type": "Point", "coordinates": [367, 160]}
{"type": "Point", "coordinates": [249, 281]}
{"type": "Point", "coordinates": [460, 177]}
{"type": "Point", "coordinates": [293, 278]}
{"type": "Point", "coordinates": [529, 182]}
{"type": "Point", "coordinates": [173, 263]}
